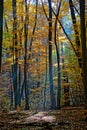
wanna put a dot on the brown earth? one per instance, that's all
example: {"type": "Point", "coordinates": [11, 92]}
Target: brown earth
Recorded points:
{"type": "Point", "coordinates": [70, 118]}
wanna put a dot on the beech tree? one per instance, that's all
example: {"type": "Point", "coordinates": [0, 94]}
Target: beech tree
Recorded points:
{"type": "Point", "coordinates": [25, 56]}
{"type": "Point", "coordinates": [58, 58]}
{"type": "Point", "coordinates": [15, 55]}
{"type": "Point", "coordinates": [52, 98]}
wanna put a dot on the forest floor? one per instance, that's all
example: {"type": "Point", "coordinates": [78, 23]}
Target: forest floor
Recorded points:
{"type": "Point", "coordinates": [69, 118]}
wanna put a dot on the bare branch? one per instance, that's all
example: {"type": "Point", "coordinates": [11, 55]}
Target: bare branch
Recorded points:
{"type": "Point", "coordinates": [44, 10]}
{"type": "Point", "coordinates": [65, 32]}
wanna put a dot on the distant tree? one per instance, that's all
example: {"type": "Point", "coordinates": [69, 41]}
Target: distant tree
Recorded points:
{"type": "Point", "coordinates": [1, 29]}
{"type": "Point", "coordinates": [65, 79]}
{"type": "Point", "coordinates": [25, 56]}
{"type": "Point", "coordinates": [58, 58]}
{"type": "Point", "coordinates": [44, 91]}
{"type": "Point", "coordinates": [15, 55]}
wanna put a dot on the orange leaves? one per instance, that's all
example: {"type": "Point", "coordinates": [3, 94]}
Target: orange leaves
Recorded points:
{"type": "Point", "coordinates": [62, 39]}
{"type": "Point", "coordinates": [37, 89]}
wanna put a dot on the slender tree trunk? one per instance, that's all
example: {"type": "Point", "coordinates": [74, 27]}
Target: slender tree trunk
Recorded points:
{"type": "Point", "coordinates": [84, 47]}
{"type": "Point", "coordinates": [66, 91]}
{"type": "Point", "coordinates": [65, 76]}
{"type": "Point", "coordinates": [58, 60]}
{"type": "Point", "coordinates": [66, 34]}
{"type": "Point", "coordinates": [25, 57]}
{"type": "Point", "coordinates": [19, 81]}
{"type": "Point", "coordinates": [30, 47]}
{"type": "Point", "coordinates": [58, 68]}
{"type": "Point", "coordinates": [1, 29]}
{"type": "Point", "coordinates": [15, 56]}
{"type": "Point", "coordinates": [11, 92]}
{"type": "Point", "coordinates": [14, 76]}
{"type": "Point", "coordinates": [44, 91]}
{"type": "Point", "coordinates": [52, 98]}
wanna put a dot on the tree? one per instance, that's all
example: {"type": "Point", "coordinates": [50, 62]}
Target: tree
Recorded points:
{"type": "Point", "coordinates": [15, 56]}
{"type": "Point", "coordinates": [58, 59]}
{"type": "Point", "coordinates": [25, 56]}
{"type": "Point", "coordinates": [84, 47]}
{"type": "Point", "coordinates": [1, 29]}
{"type": "Point", "coordinates": [52, 98]}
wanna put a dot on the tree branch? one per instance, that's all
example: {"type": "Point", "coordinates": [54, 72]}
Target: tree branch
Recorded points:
{"type": "Point", "coordinates": [44, 10]}
{"type": "Point", "coordinates": [65, 32]}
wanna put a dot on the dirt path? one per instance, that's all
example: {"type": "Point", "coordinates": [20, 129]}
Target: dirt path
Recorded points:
{"type": "Point", "coordinates": [64, 119]}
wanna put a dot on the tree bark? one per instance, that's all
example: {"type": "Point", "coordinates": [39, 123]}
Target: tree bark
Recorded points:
{"type": "Point", "coordinates": [1, 29]}
{"type": "Point", "coordinates": [52, 98]}
{"type": "Point", "coordinates": [44, 90]}
{"type": "Point", "coordinates": [84, 47]}
{"type": "Point", "coordinates": [58, 61]}
{"type": "Point", "coordinates": [15, 56]}
{"type": "Point", "coordinates": [25, 57]}
{"type": "Point", "coordinates": [65, 80]}
{"type": "Point", "coordinates": [58, 68]}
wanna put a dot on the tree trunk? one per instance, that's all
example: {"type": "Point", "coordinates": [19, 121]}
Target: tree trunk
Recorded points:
{"type": "Point", "coordinates": [1, 29]}
{"type": "Point", "coordinates": [52, 98]}
{"type": "Point", "coordinates": [11, 92]}
{"type": "Point", "coordinates": [58, 61]}
{"type": "Point", "coordinates": [84, 47]}
{"type": "Point", "coordinates": [15, 56]}
{"type": "Point", "coordinates": [14, 76]}
{"type": "Point", "coordinates": [44, 90]}
{"type": "Point", "coordinates": [65, 76]}
{"type": "Point", "coordinates": [30, 47]}
{"type": "Point", "coordinates": [58, 68]}
{"type": "Point", "coordinates": [25, 57]}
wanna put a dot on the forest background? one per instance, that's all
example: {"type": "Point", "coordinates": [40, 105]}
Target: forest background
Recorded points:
{"type": "Point", "coordinates": [43, 58]}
